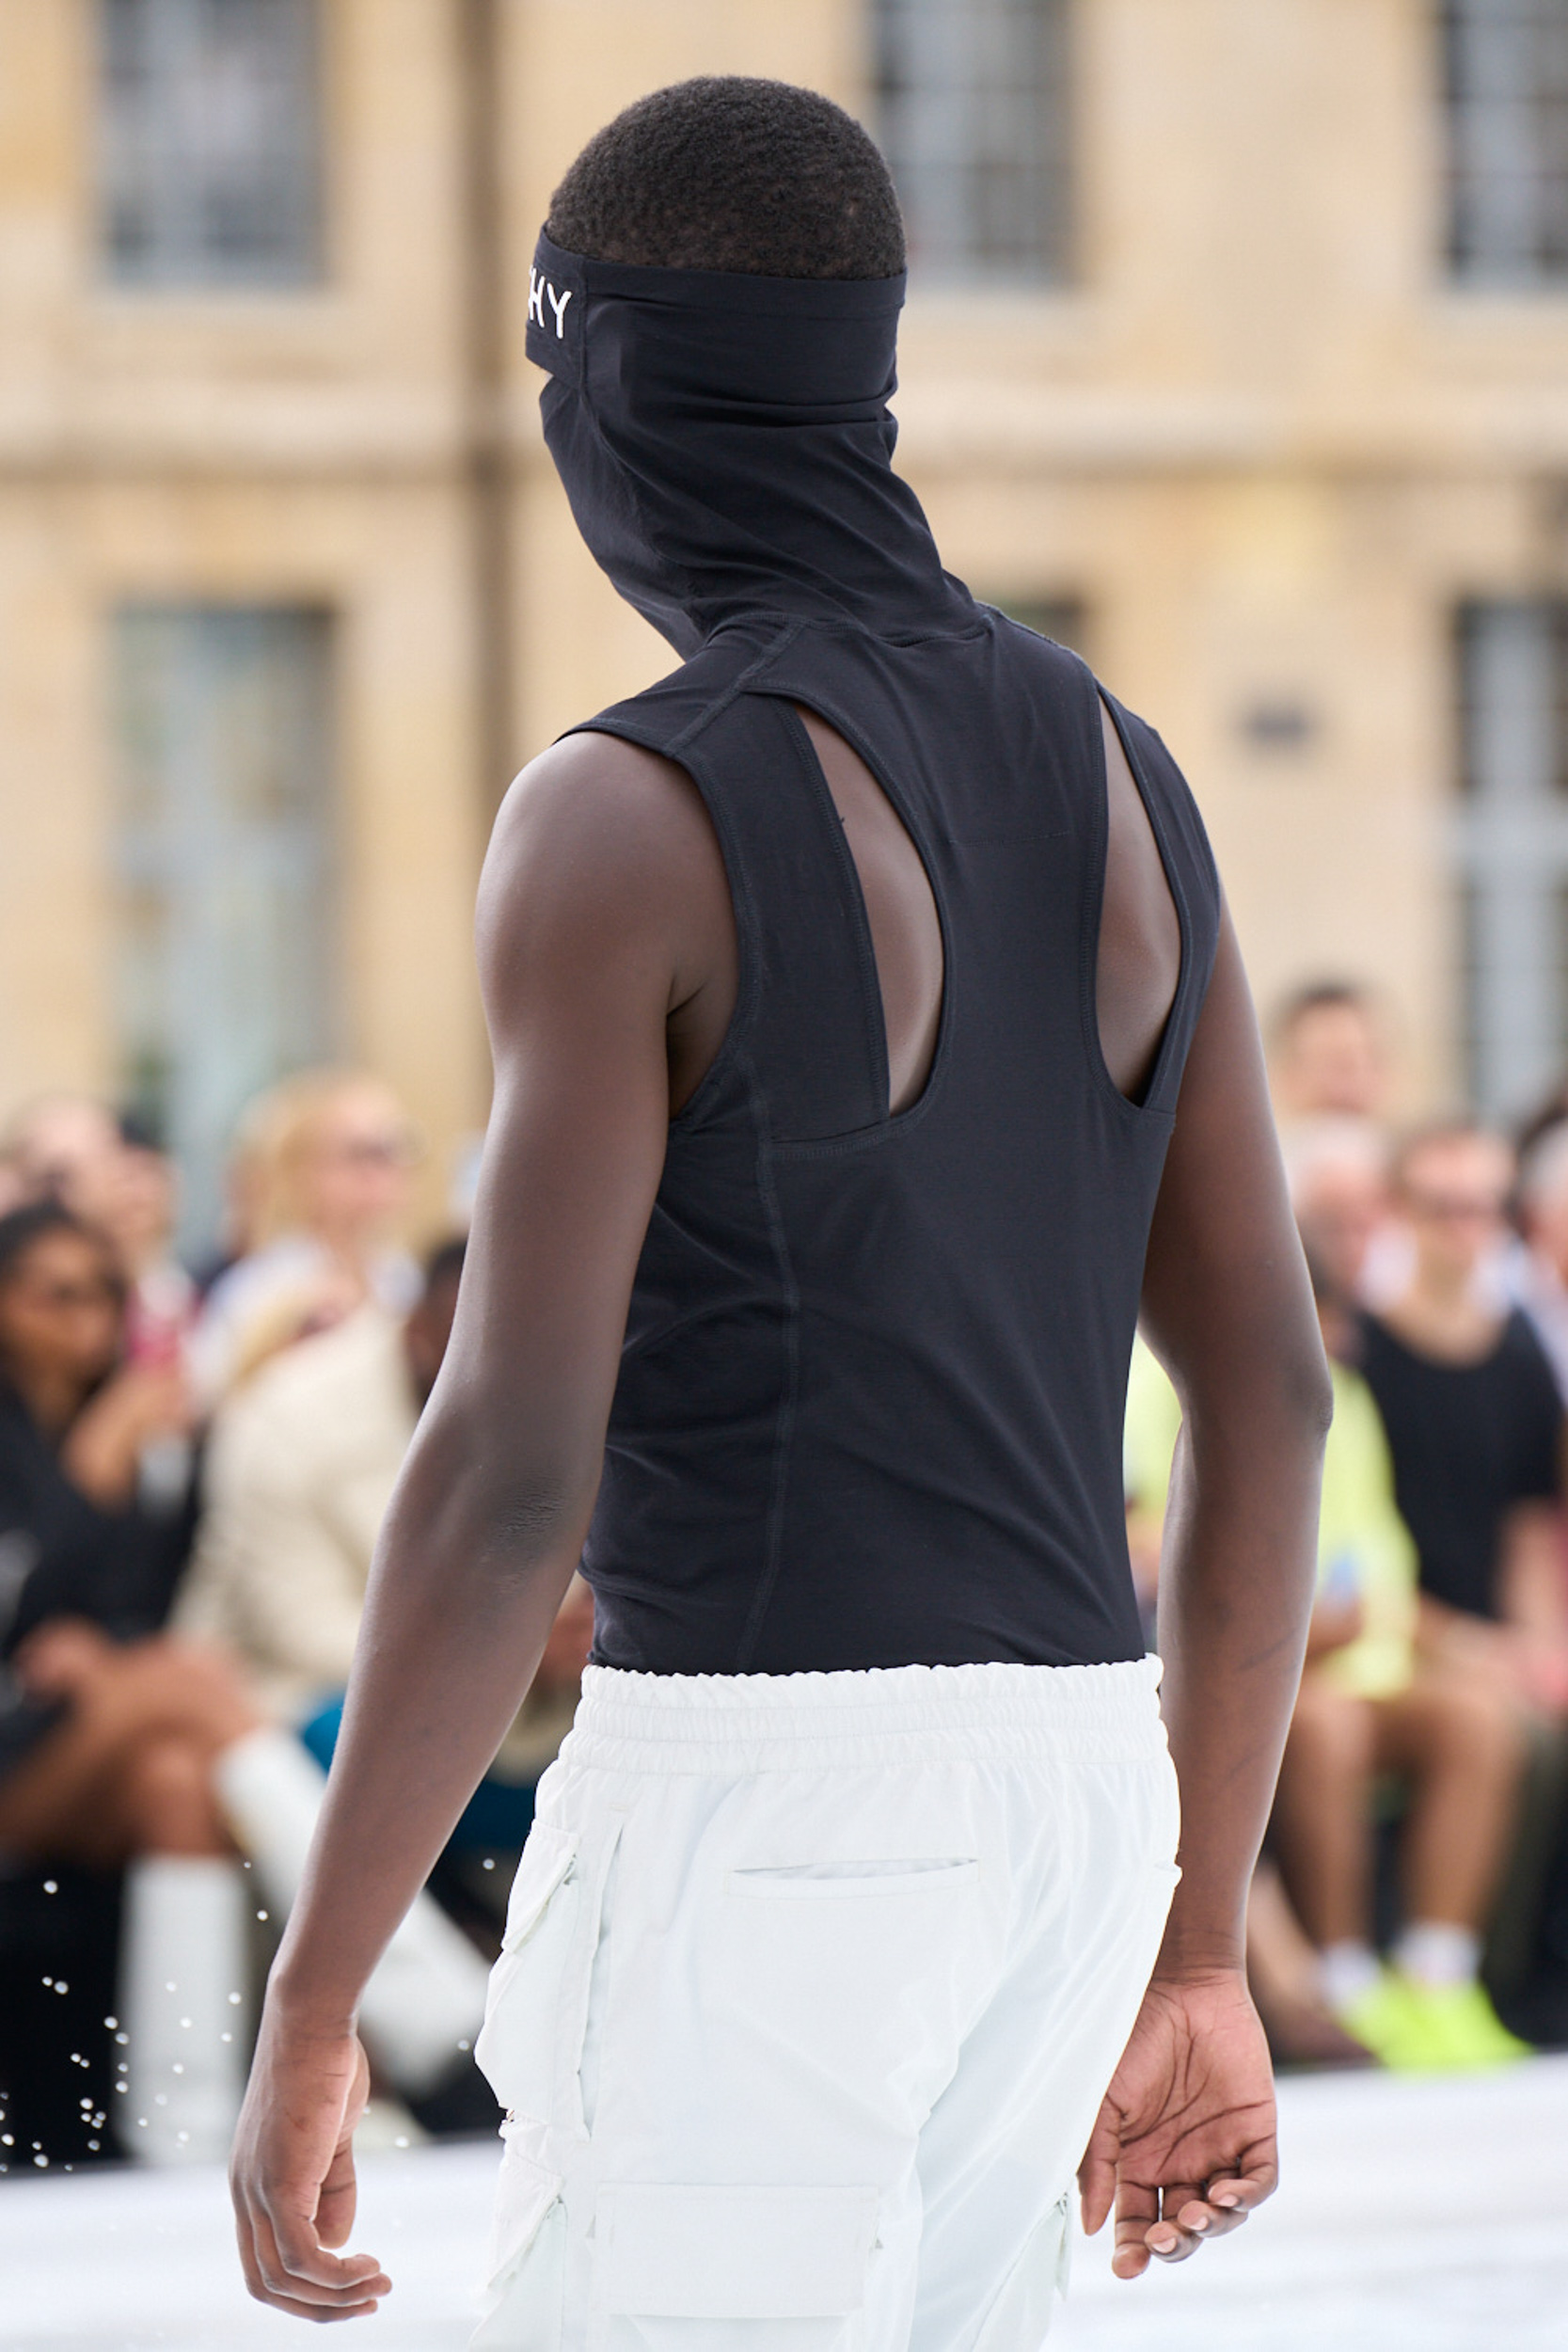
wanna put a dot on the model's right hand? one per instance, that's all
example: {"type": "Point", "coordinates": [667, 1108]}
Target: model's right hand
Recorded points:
{"type": "Point", "coordinates": [1185, 2144]}
{"type": "Point", "coordinates": [292, 2175]}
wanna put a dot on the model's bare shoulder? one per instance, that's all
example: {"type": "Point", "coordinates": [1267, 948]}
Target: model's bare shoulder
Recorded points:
{"type": "Point", "coordinates": [604, 870]}
{"type": "Point", "coordinates": [597, 830]}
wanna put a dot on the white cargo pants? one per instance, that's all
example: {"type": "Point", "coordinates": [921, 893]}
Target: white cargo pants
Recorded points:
{"type": "Point", "coordinates": [811, 1988]}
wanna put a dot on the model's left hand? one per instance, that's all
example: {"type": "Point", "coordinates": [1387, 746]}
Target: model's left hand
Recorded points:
{"type": "Point", "coordinates": [1185, 2144]}
{"type": "Point", "coordinates": [291, 2175]}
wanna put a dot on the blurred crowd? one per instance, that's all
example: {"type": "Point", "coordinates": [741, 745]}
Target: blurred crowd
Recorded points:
{"type": "Point", "coordinates": [1411, 1906]}
{"type": "Point", "coordinates": [195, 1461]}
{"type": "Point", "coordinates": [194, 1465]}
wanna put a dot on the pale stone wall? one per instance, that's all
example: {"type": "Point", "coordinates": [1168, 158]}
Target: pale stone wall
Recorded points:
{"type": "Point", "coordinates": [1258, 436]}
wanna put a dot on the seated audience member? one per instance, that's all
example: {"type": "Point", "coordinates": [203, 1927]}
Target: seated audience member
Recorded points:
{"type": "Point", "coordinates": [63, 1147]}
{"type": "Point", "coordinates": [1328, 1054]}
{"type": "Point", "coordinates": [302, 1464]}
{"type": "Point", "coordinates": [1281, 1963]}
{"type": "Point", "coordinates": [327, 1159]}
{"type": "Point", "coordinates": [111, 1173]}
{"type": "Point", "coordinates": [1538, 1264]}
{"type": "Point", "coordinates": [1370, 1703]}
{"type": "Point", "coordinates": [1338, 1170]}
{"type": "Point", "coordinates": [123, 1746]}
{"type": "Point", "coordinates": [1475, 1426]}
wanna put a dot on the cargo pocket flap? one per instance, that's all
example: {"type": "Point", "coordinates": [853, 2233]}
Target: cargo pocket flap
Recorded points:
{"type": "Point", "coordinates": [546, 1860]}
{"type": "Point", "coordinates": [735, 2253]}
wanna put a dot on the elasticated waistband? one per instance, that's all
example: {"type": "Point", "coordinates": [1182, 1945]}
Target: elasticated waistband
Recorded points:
{"type": "Point", "coordinates": [900, 1715]}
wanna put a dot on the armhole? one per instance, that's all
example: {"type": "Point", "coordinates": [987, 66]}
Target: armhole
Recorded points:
{"type": "Point", "coordinates": [731, 1045]}
{"type": "Point", "coordinates": [1170, 1054]}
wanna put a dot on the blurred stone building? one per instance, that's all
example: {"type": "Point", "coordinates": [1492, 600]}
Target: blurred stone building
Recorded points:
{"type": "Point", "coordinates": [1237, 353]}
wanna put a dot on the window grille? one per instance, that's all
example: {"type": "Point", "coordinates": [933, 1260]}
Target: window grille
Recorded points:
{"type": "Point", "coordinates": [972, 114]}
{"type": "Point", "coordinates": [1506, 66]}
{"type": "Point", "coordinates": [209, 140]}
{"type": "Point", "coordinates": [226, 960]}
{"type": "Point", "coordinates": [1512, 850]}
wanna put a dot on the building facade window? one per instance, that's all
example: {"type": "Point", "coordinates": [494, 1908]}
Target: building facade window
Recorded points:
{"type": "Point", "coordinates": [974, 117]}
{"type": "Point", "coordinates": [209, 145]}
{"type": "Point", "coordinates": [227, 962]}
{"type": "Point", "coordinates": [1506, 73]}
{"type": "Point", "coordinates": [1512, 850]}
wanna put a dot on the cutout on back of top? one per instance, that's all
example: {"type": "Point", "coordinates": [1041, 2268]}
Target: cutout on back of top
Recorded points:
{"type": "Point", "coordinates": [1138, 965]}
{"type": "Point", "coordinates": [900, 909]}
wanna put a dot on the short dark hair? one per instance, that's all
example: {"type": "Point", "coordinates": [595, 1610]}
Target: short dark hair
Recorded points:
{"type": "Point", "coordinates": [730, 173]}
{"type": "Point", "coordinates": [20, 1228]}
{"type": "Point", "coordinates": [1319, 996]}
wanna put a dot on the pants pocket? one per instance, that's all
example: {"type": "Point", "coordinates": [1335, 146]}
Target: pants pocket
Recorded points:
{"type": "Point", "coordinates": [517, 2045]}
{"type": "Point", "coordinates": [698, 2269]}
{"type": "Point", "coordinates": [812, 1881]}
{"type": "Point", "coordinates": [524, 2297]}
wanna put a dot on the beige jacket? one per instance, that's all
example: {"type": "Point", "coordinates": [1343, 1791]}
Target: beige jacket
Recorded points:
{"type": "Point", "coordinates": [300, 1470]}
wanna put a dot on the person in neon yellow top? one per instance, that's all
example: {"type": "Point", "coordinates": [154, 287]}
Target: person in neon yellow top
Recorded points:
{"type": "Point", "coordinates": [1371, 1704]}
{"type": "Point", "coordinates": [1365, 1553]}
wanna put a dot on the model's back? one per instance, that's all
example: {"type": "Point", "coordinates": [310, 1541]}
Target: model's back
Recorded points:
{"type": "Point", "coordinates": [870, 1405]}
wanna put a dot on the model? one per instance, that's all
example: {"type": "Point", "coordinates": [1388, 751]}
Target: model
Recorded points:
{"type": "Point", "coordinates": [872, 1048]}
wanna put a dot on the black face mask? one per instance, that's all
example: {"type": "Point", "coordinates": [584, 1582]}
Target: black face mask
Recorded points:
{"type": "Point", "coordinates": [726, 446]}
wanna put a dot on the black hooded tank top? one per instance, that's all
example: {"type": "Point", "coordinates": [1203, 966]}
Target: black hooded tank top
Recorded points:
{"type": "Point", "coordinates": [870, 1404]}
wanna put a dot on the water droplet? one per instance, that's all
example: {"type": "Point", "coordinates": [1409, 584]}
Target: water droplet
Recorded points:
{"type": "Point", "coordinates": [93, 2144]}
{"type": "Point", "coordinates": [49, 1980]}
{"type": "Point", "coordinates": [234, 1999]}
{"type": "Point", "coordinates": [177, 2068]}
{"type": "Point", "coordinates": [42, 2163]}
{"type": "Point", "coordinates": [402, 2140]}
{"type": "Point", "coordinates": [184, 2021]}
{"type": "Point", "coordinates": [7, 2141]}
{"type": "Point", "coordinates": [463, 2045]}
{"type": "Point", "coordinates": [171, 1987]}
{"type": "Point", "coordinates": [122, 2039]}
{"type": "Point", "coordinates": [488, 1862]}
{"type": "Point", "coordinates": [60, 1985]}
{"type": "Point", "coordinates": [261, 1914]}
{"type": "Point", "coordinates": [111, 2023]}
{"type": "Point", "coordinates": [226, 2037]}
{"type": "Point", "coordinates": [51, 1886]}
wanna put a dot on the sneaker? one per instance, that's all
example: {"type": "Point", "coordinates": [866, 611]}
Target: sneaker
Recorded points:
{"type": "Point", "coordinates": [1462, 2028]}
{"type": "Point", "coordinates": [1387, 2022]}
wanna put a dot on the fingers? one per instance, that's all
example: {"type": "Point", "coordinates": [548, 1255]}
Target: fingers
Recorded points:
{"type": "Point", "coordinates": [1097, 2174]}
{"type": "Point", "coordinates": [1241, 2192]}
{"type": "Point", "coordinates": [285, 2266]}
{"type": "Point", "coordinates": [335, 2206]}
{"type": "Point", "coordinates": [1189, 2214]}
{"type": "Point", "coordinates": [1137, 2211]}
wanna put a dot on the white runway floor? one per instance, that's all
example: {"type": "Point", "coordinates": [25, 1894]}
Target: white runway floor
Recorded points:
{"type": "Point", "coordinates": [1415, 2216]}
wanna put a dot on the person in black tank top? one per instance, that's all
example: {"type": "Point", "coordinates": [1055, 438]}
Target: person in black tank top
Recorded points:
{"type": "Point", "coordinates": [872, 1050]}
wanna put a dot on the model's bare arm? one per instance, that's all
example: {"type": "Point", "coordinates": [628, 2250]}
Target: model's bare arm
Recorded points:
{"type": "Point", "coordinates": [602, 896]}
{"type": "Point", "coordinates": [1185, 2143]}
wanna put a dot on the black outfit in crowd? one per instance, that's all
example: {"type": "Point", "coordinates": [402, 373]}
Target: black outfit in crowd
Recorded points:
{"type": "Point", "coordinates": [1469, 1442]}
{"type": "Point", "coordinates": [870, 1406]}
{"type": "Point", "coordinates": [62, 1556]}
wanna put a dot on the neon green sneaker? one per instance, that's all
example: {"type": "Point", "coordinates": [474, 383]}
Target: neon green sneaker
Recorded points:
{"type": "Point", "coordinates": [1461, 2027]}
{"type": "Point", "coordinates": [1387, 2022]}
